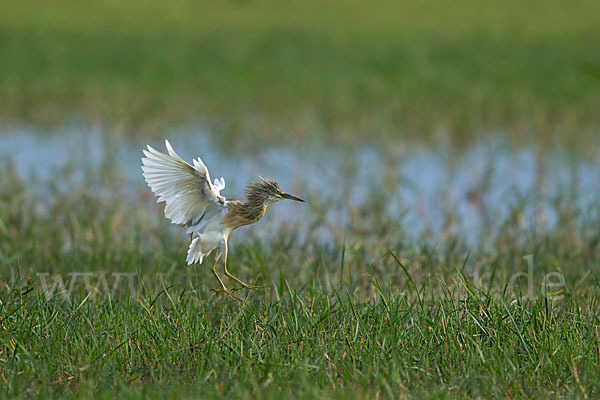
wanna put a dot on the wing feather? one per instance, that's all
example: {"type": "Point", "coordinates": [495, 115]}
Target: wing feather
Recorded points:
{"type": "Point", "coordinates": [186, 189]}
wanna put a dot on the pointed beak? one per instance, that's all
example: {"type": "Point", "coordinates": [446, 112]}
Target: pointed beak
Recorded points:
{"type": "Point", "coordinates": [290, 197]}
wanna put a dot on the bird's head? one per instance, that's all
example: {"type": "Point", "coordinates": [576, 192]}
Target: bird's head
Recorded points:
{"type": "Point", "coordinates": [267, 191]}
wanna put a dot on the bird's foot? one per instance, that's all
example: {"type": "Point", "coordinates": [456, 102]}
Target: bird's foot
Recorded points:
{"type": "Point", "coordinates": [228, 292]}
{"type": "Point", "coordinates": [243, 285]}
{"type": "Point", "coordinates": [248, 286]}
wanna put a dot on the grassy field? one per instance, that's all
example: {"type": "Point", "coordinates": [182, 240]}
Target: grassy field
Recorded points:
{"type": "Point", "coordinates": [291, 70]}
{"type": "Point", "coordinates": [96, 300]}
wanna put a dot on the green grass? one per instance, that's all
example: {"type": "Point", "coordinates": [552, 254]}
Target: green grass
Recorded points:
{"type": "Point", "coordinates": [293, 70]}
{"type": "Point", "coordinates": [399, 318]}
{"type": "Point", "coordinates": [300, 343]}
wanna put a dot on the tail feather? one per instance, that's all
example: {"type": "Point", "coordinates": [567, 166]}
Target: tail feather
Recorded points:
{"type": "Point", "coordinates": [195, 253]}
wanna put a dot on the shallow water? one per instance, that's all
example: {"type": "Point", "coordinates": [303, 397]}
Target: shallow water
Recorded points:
{"type": "Point", "coordinates": [423, 189]}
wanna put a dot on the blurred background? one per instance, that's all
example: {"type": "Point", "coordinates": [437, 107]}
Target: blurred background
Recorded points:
{"type": "Point", "coordinates": [291, 71]}
{"type": "Point", "coordinates": [455, 125]}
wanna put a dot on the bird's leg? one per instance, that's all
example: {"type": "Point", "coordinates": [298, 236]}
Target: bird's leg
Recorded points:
{"type": "Point", "coordinates": [223, 288]}
{"type": "Point", "coordinates": [230, 275]}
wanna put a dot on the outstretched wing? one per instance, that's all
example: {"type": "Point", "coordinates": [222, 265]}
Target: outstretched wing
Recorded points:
{"type": "Point", "coordinates": [186, 189]}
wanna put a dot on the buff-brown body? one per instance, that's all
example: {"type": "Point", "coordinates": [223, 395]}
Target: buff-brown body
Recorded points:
{"type": "Point", "coordinates": [241, 214]}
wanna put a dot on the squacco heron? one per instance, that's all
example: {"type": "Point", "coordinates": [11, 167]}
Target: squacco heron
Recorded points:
{"type": "Point", "coordinates": [193, 201]}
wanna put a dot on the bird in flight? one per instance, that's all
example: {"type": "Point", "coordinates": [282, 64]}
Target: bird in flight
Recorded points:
{"type": "Point", "coordinates": [196, 203]}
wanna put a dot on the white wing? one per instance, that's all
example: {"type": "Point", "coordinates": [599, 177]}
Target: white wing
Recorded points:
{"type": "Point", "coordinates": [186, 189]}
{"type": "Point", "coordinates": [219, 184]}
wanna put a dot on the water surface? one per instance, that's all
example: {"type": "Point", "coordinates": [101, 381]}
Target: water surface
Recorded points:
{"type": "Point", "coordinates": [349, 192]}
